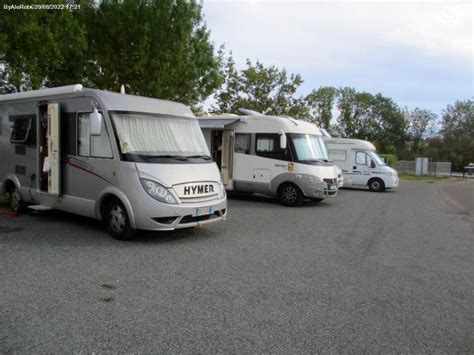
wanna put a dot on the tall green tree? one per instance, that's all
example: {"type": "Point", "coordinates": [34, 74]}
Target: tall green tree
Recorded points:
{"type": "Point", "coordinates": [374, 118]}
{"type": "Point", "coordinates": [42, 48]}
{"type": "Point", "coordinates": [158, 48]}
{"type": "Point", "coordinates": [457, 134]}
{"type": "Point", "coordinates": [420, 126]}
{"type": "Point", "coordinates": [265, 89]}
{"type": "Point", "coordinates": [321, 103]}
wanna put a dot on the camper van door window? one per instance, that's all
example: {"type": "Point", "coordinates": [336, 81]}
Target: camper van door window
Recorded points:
{"type": "Point", "coordinates": [361, 158]}
{"type": "Point", "coordinates": [242, 143]}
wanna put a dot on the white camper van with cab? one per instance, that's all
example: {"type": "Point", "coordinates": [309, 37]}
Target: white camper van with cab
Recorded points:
{"type": "Point", "coordinates": [272, 155]}
{"type": "Point", "coordinates": [360, 164]}
{"type": "Point", "coordinates": [134, 162]}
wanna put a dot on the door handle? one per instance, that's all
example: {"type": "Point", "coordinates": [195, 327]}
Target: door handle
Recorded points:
{"type": "Point", "coordinates": [354, 167]}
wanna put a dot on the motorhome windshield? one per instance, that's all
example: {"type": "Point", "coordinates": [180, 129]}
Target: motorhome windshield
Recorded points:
{"type": "Point", "coordinates": [377, 159]}
{"type": "Point", "coordinates": [148, 137]}
{"type": "Point", "coordinates": [309, 147]}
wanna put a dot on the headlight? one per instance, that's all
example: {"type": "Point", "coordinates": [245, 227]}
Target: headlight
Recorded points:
{"type": "Point", "coordinates": [311, 178]}
{"type": "Point", "coordinates": [221, 190]}
{"type": "Point", "coordinates": [157, 191]}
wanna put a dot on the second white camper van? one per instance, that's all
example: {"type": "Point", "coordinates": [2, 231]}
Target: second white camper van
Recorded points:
{"type": "Point", "coordinates": [272, 155]}
{"type": "Point", "coordinates": [360, 164]}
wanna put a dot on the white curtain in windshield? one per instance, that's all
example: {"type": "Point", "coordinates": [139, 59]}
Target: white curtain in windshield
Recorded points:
{"type": "Point", "coordinates": [147, 134]}
{"type": "Point", "coordinates": [309, 147]}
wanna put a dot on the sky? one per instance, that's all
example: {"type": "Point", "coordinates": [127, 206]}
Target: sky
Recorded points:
{"type": "Point", "coordinates": [419, 53]}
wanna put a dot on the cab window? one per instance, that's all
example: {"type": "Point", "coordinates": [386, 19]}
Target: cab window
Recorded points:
{"type": "Point", "coordinates": [361, 158]}
{"type": "Point", "coordinates": [92, 146]}
{"type": "Point", "coordinates": [268, 146]}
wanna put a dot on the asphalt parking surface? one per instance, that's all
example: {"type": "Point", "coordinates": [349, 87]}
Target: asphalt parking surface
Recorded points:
{"type": "Point", "coordinates": [363, 272]}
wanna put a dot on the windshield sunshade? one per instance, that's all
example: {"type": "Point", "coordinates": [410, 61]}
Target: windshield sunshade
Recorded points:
{"type": "Point", "coordinates": [148, 134]}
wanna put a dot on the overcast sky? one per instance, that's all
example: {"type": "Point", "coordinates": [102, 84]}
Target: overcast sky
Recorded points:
{"type": "Point", "coordinates": [420, 53]}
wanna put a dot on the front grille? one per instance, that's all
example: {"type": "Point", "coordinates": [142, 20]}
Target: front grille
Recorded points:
{"type": "Point", "coordinates": [331, 181]}
{"type": "Point", "coordinates": [165, 220]}
{"type": "Point", "coordinates": [191, 219]}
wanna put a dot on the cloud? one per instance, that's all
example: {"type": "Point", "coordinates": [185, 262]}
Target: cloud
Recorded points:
{"type": "Point", "coordinates": [405, 43]}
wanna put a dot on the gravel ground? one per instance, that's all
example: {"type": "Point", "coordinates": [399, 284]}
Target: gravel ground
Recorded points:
{"type": "Point", "coordinates": [363, 272]}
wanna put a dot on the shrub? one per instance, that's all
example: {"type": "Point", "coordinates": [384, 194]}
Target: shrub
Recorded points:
{"type": "Point", "coordinates": [390, 159]}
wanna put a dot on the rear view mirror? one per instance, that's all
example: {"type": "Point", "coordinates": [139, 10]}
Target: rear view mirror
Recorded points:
{"type": "Point", "coordinates": [371, 163]}
{"type": "Point", "coordinates": [95, 123]}
{"type": "Point", "coordinates": [282, 140]}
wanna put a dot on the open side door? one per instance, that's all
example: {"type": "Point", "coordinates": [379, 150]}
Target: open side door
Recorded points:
{"type": "Point", "coordinates": [227, 161]}
{"type": "Point", "coordinates": [54, 150]}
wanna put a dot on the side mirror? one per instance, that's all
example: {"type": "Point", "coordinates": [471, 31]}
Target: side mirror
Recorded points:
{"type": "Point", "coordinates": [95, 123]}
{"type": "Point", "coordinates": [283, 140]}
{"type": "Point", "coordinates": [372, 164]}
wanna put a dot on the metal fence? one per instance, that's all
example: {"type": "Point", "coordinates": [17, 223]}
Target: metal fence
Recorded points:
{"type": "Point", "coordinates": [439, 168]}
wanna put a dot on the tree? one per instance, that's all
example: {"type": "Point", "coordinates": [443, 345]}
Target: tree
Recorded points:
{"type": "Point", "coordinates": [457, 134]}
{"type": "Point", "coordinates": [420, 126]}
{"type": "Point", "coordinates": [158, 48]}
{"type": "Point", "coordinates": [321, 103]}
{"type": "Point", "coordinates": [264, 89]}
{"type": "Point", "coordinates": [42, 48]}
{"type": "Point", "coordinates": [374, 118]}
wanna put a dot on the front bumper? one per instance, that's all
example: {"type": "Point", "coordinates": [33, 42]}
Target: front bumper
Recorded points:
{"type": "Point", "coordinates": [322, 189]}
{"type": "Point", "coordinates": [184, 215]}
{"type": "Point", "coordinates": [394, 181]}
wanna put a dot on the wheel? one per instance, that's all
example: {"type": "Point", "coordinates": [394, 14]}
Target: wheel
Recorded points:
{"type": "Point", "coordinates": [376, 185]}
{"type": "Point", "coordinates": [316, 199]}
{"type": "Point", "coordinates": [117, 221]}
{"type": "Point", "coordinates": [290, 195]}
{"type": "Point", "coordinates": [16, 203]}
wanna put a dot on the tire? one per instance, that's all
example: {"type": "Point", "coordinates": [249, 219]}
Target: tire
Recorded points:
{"type": "Point", "coordinates": [290, 195]}
{"type": "Point", "coordinates": [376, 185]}
{"type": "Point", "coordinates": [117, 221]}
{"type": "Point", "coordinates": [15, 201]}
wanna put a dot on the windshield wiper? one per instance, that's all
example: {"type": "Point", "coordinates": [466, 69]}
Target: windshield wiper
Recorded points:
{"type": "Point", "coordinates": [169, 156]}
{"type": "Point", "coordinates": [205, 157]}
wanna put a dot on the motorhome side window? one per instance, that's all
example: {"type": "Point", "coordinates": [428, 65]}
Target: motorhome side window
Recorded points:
{"type": "Point", "coordinates": [242, 143]}
{"type": "Point", "coordinates": [337, 155]}
{"type": "Point", "coordinates": [92, 146]}
{"type": "Point", "coordinates": [268, 145]}
{"type": "Point", "coordinates": [361, 158]}
{"type": "Point", "coordinates": [23, 130]}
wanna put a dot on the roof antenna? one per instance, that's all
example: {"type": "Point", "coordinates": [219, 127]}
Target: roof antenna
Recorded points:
{"type": "Point", "coordinates": [122, 89]}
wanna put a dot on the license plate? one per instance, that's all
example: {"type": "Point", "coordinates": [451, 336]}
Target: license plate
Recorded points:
{"type": "Point", "coordinates": [203, 211]}
{"type": "Point", "coordinates": [332, 187]}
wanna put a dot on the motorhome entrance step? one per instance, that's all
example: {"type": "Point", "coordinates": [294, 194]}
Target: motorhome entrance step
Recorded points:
{"type": "Point", "coordinates": [39, 208]}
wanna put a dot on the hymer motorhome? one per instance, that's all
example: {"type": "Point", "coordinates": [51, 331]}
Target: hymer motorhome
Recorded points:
{"type": "Point", "coordinates": [360, 164]}
{"type": "Point", "coordinates": [134, 162]}
{"type": "Point", "coordinates": [272, 155]}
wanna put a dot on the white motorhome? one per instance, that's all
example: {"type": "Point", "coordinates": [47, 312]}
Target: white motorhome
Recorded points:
{"type": "Point", "coordinates": [134, 162]}
{"type": "Point", "coordinates": [360, 164]}
{"type": "Point", "coordinates": [272, 155]}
